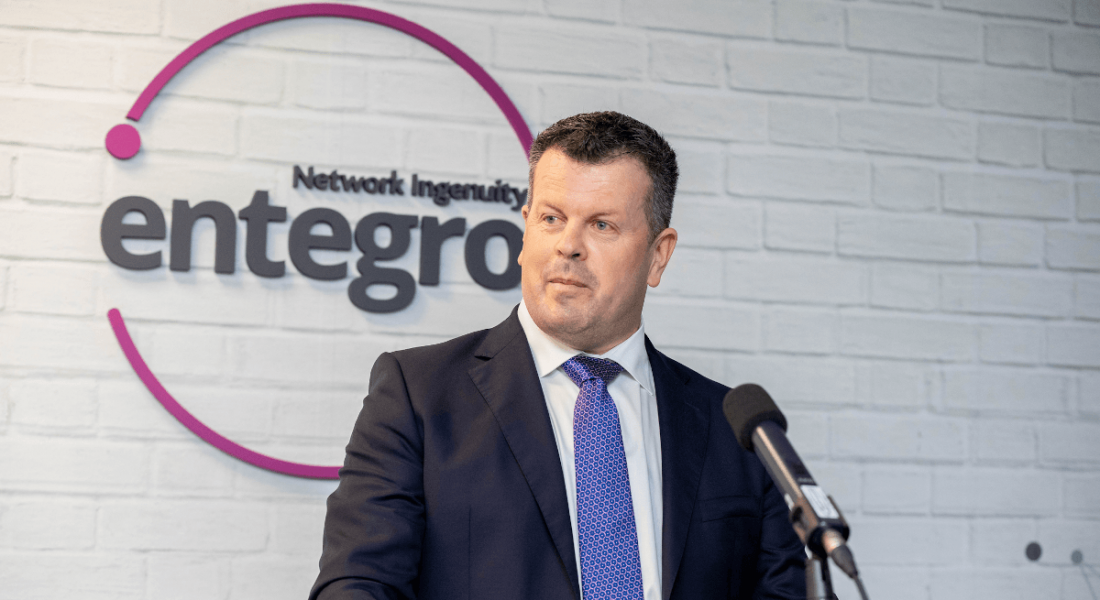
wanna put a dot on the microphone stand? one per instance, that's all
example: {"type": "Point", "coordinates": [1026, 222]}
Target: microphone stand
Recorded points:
{"type": "Point", "coordinates": [819, 583]}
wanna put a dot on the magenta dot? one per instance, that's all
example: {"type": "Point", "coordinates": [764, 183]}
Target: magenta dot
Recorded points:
{"type": "Point", "coordinates": [123, 141]}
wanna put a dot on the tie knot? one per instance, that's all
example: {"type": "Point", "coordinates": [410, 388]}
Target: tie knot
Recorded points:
{"type": "Point", "coordinates": [583, 368]}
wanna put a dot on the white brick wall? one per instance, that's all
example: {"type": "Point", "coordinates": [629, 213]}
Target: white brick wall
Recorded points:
{"type": "Point", "coordinates": [903, 80]}
{"type": "Point", "coordinates": [889, 216]}
{"type": "Point", "coordinates": [1017, 46]}
{"type": "Point", "coordinates": [1009, 144]}
{"type": "Point", "coordinates": [1088, 200]}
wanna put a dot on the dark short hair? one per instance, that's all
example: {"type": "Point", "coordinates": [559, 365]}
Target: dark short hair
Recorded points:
{"type": "Point", "coordinates": [601, 137]}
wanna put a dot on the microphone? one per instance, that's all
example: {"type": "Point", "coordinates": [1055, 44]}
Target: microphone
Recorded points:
{"type": "Point", "coordinates": [761, 427]}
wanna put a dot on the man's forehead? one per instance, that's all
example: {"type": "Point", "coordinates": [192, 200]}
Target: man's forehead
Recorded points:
{"type": "Point", "coordinates": [555, 166]}
{"type": "Point", "coordinates": [559, 171]}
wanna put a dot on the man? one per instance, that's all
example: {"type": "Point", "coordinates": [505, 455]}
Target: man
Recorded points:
{"type": "Point", "coordinates": [559, 455]}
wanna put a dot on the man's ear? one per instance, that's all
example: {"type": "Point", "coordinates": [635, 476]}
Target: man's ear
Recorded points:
{"type": "Point", "coordinates": [523, 211]}
{"type": "Point", "coordinates": [662, 248]}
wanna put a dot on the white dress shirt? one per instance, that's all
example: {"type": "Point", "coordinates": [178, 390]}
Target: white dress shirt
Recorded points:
{"type": "Point", "coordinates": [634, 394]}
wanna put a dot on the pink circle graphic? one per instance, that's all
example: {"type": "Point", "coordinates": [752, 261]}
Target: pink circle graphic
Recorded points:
{"type": "Point", "coordinates": [197, 427]}
{"type": "Point", "coordinates": [123, 142]}
{"type": "Point", "coordinates": [298, 11]}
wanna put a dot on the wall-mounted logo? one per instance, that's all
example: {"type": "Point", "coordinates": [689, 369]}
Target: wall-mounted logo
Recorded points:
{"type": "Point", "coordinates": [124, 142]}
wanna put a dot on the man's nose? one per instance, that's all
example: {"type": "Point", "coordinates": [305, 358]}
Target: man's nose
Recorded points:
{"type": "Point", "coordinates": [571, 243]}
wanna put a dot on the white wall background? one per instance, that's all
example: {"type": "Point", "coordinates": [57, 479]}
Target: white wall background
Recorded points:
{"type": "Point", "coordinates": [889, 217]}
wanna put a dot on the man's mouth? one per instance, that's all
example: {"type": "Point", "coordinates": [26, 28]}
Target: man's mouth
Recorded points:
{"type": "Point", "coordinates": [567, 281]}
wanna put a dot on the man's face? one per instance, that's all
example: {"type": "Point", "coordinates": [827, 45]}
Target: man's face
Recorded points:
{"type": "Point", "coordinates": [586, 255]}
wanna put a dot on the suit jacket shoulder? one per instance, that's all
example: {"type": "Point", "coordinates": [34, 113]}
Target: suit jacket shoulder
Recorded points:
{"type": "Point", "coordinates": [690, 378]}
{"type": "Point", "coordinates": [436, 364]}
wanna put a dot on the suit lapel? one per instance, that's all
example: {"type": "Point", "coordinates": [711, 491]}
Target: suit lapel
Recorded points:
{"type": "Point", "coordinates": [685, 428]}
{"type": "Point", "coordinates": [510, 385]}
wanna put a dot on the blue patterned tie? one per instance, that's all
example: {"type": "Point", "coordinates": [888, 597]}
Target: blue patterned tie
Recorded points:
{"type": "Point", "coordinates": [610, 566]}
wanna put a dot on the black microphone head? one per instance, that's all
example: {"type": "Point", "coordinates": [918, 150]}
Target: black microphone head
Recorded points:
{"type": "Point", "coordinates": [746, 407]}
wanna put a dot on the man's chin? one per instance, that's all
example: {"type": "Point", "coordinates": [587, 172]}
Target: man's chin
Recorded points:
{"type": "Point", "coordinates": [561, 321]}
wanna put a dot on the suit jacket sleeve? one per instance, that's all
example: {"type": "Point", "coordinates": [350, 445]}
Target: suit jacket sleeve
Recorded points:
{"type": "Point", "coordinates": [375, 523]}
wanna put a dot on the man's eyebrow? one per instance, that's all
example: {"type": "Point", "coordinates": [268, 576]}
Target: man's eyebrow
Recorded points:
{"type": "Point", "coordinates": [605, 215]}
{"type": "Point", "coordinates": [544, 204]}
{"type": "Point", "coordinates": [609, 214]}
{"type": "Point", "coordinates": [602, 215]}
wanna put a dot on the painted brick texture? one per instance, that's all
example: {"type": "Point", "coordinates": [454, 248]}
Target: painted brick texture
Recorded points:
{"type": "Point", "coordinates": [889, 216]}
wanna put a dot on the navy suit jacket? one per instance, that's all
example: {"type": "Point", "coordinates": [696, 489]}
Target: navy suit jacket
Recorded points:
{"type": "Point", "coordinates": [452, 487]}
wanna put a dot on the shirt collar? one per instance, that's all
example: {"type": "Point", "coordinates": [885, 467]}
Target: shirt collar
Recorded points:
{"type": "Point", "coordinates": [549, 353]}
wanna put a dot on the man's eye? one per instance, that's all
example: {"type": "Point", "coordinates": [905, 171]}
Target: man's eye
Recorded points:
{"type": "Point", "coordinates": [550, 219]}
{"type": "Point", "coordinates": [601, 225]}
